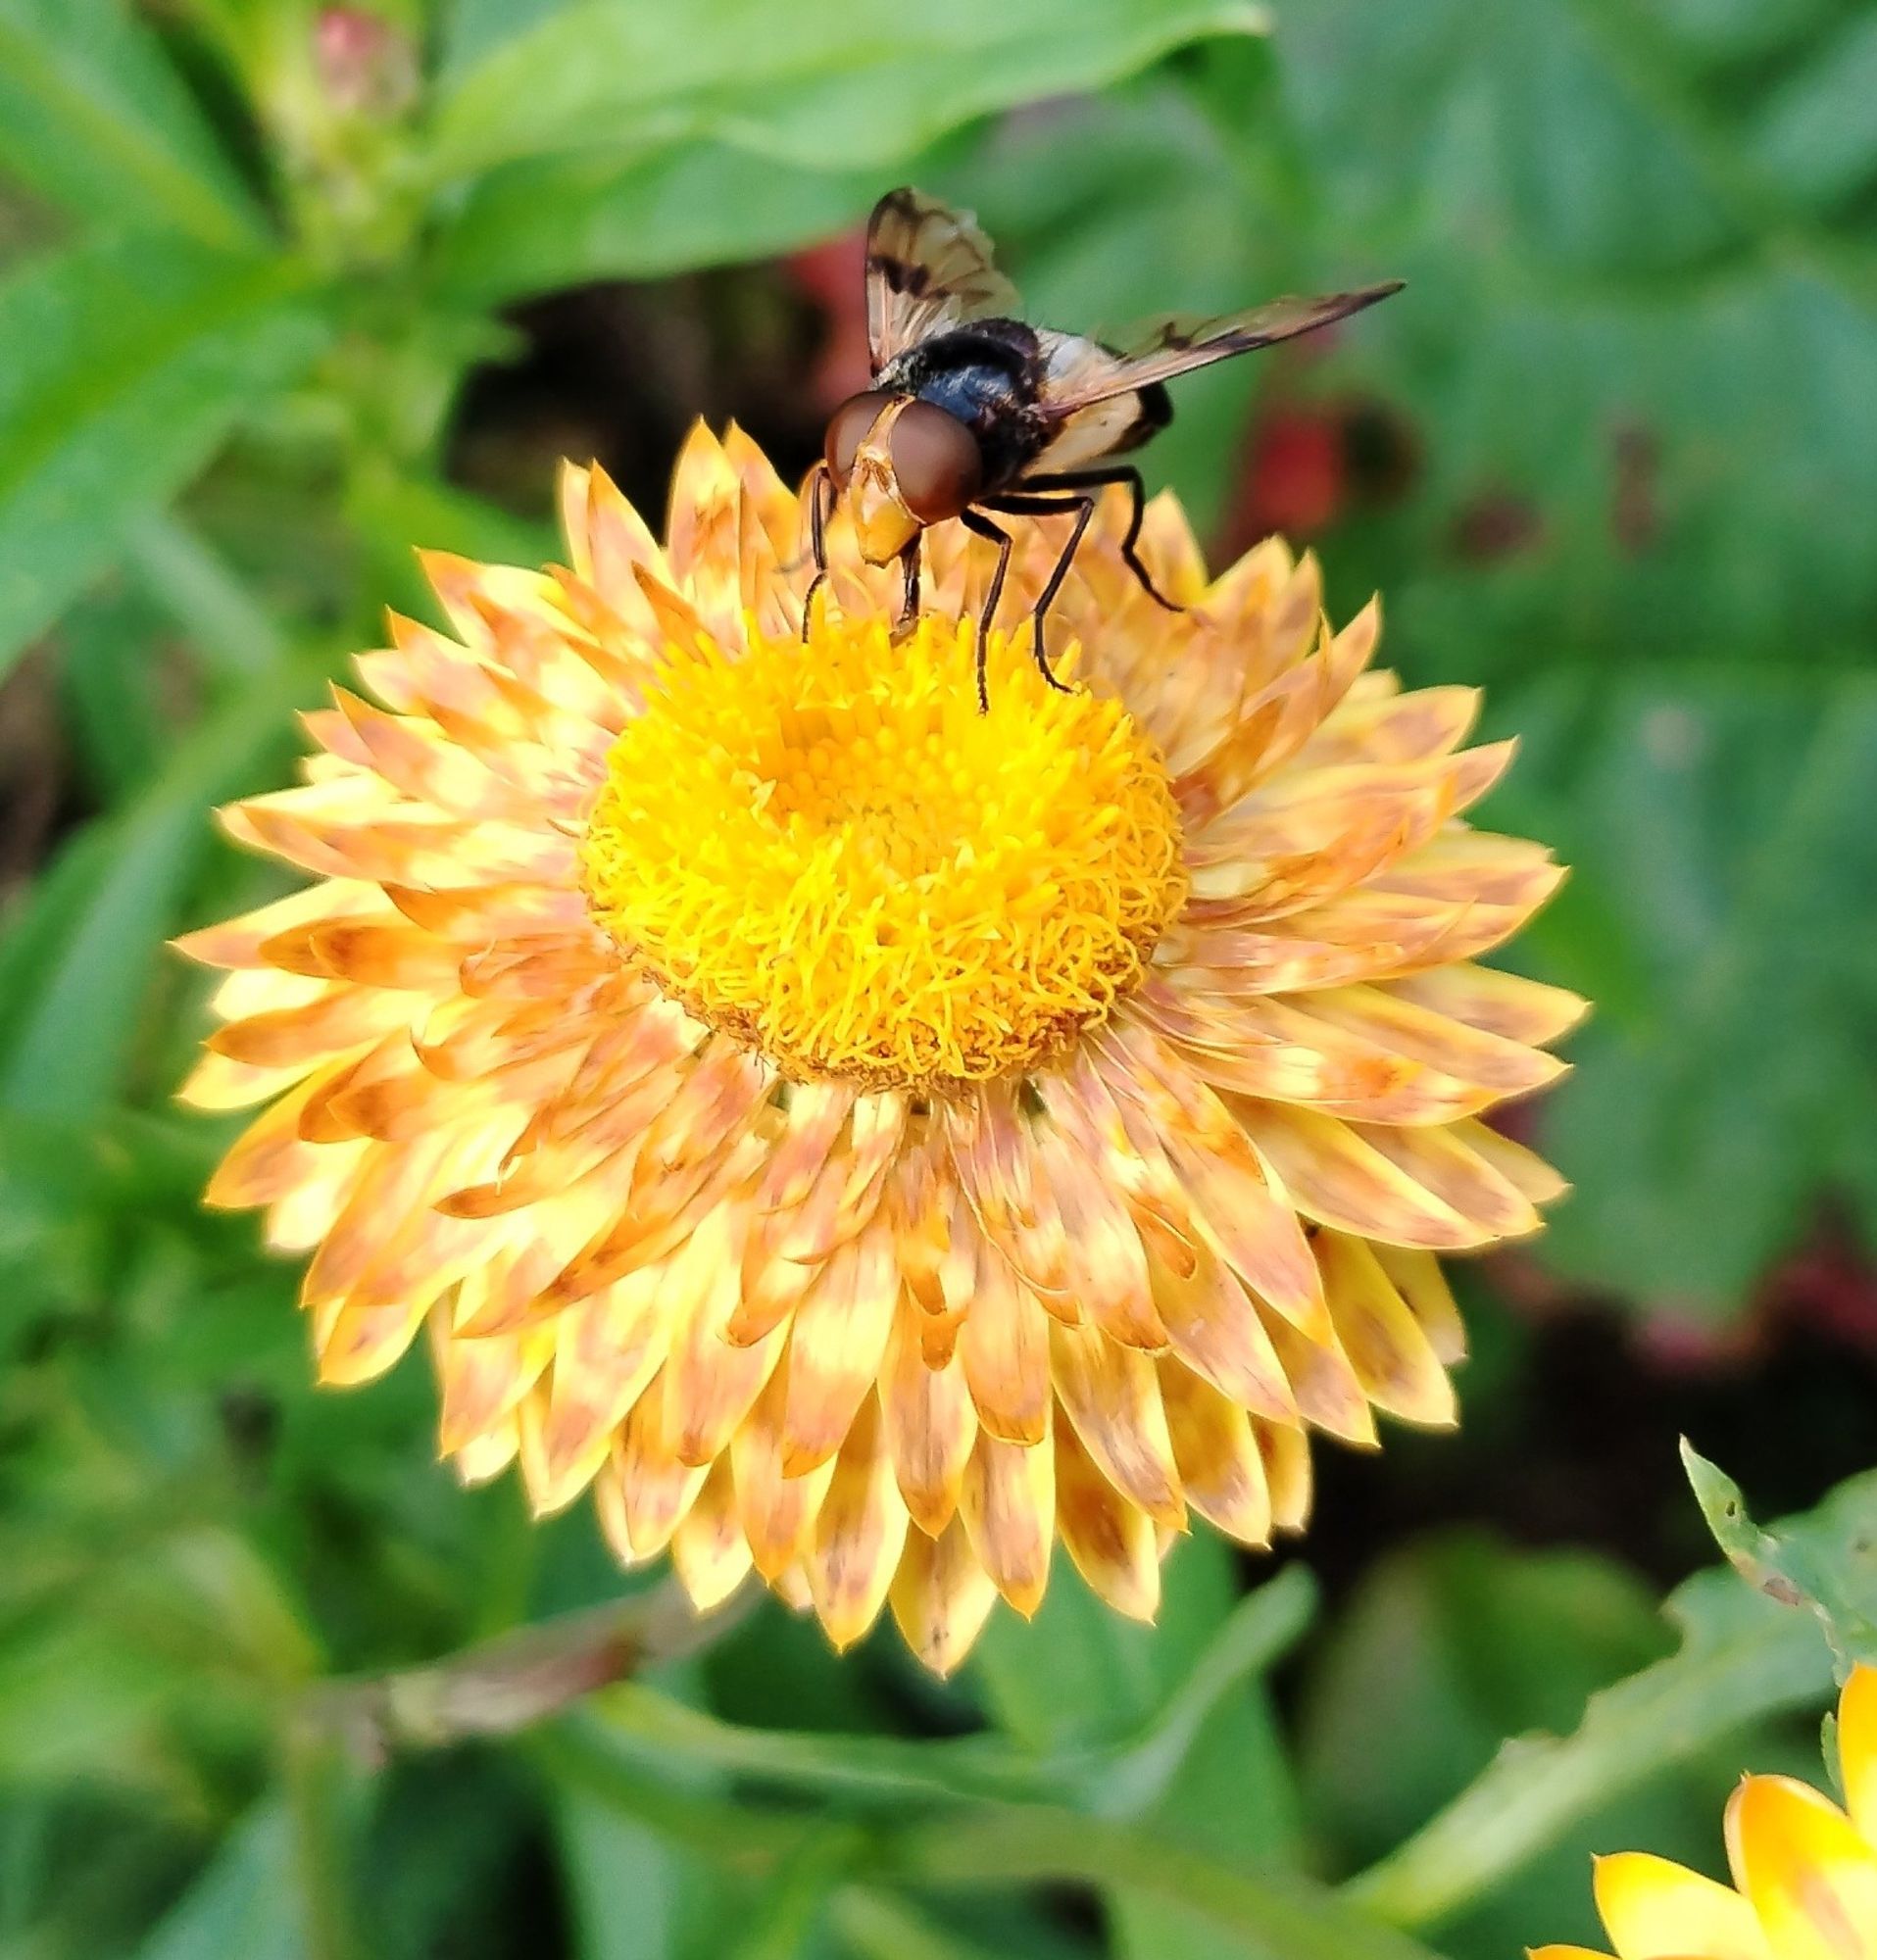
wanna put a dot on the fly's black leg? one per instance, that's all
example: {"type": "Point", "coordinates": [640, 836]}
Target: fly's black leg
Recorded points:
{"type": "Point", "coordinates": [1018, 505]}
{"type": "Point", "coordinates": [821, 481]}
{"type": "Point", "coordinates": [909, 565]}
{"type": "Point", "coordinates": [1094, 479]}
{"type": "Point", "coordinates": [981, 526]}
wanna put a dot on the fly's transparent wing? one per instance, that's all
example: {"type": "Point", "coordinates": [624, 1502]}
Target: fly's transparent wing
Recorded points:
{"type": "Point", "coordinates": [1085, 371]}
{"type": "Point", "coordinates": [927, 267]}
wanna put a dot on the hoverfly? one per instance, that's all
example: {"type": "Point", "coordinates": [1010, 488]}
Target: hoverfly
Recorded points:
{"type": "Point", "coordinates": [973, 412]}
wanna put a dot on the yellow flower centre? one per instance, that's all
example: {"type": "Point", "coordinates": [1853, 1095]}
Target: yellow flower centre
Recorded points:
{"type": "Point", "coordinates": [826, 851]}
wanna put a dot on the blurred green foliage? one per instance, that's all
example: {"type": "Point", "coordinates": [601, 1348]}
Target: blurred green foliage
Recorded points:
{"type": "Point", "coordinates": [1614, 455]}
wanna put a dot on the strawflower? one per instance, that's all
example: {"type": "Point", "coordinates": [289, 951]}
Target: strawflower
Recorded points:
{"type": "Point", "coordinates": [1804, 1871]}
{"type": "Point", "coordinates": [862, 1138]}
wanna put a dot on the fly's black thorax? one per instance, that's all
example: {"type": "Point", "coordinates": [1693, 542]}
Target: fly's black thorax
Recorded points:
{"type": "Point", "coordinates": [989, 374]}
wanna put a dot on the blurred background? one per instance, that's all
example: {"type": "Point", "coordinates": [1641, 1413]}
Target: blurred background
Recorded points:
{"type": "Point", "coordinates": [285, 290]}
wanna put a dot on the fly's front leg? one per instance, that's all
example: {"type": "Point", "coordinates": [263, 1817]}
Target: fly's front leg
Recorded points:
{"type": "Point", "coordinates": [910, 605]}
{"type": "Point", "coordinates": [821, 485]}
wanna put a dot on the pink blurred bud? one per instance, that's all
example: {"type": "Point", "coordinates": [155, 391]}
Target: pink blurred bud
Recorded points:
{"type": "Point", "coordinates": [367, 65]}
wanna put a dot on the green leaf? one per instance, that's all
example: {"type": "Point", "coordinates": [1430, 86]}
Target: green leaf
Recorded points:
{"type": "Point", "coordinates": [1788, 1566]}
{"type": "Point", "coordinates": [244, 1902]}
{"type": "Point", "coordinates": [859, 82]}
{"type": "Point", "coordinates": [93, 116]}
{"type": "Point", "coordinates": [127, 361]}
{"type": "Point", "coordinates": [1742, 1655]}
{"type": "Point", "coordinates": [91, 932]}
{"type": "Point", "coordinates": [1729, 826]}
{"type": "Point", "coordinates": [623, 1883]}
{"type": "Point", "coordinates": [561, 221]}
{"type": "Point", "coordinates": [1816, 139]}
{"type": "Point", "coordinates": [231, 631]}
{"type": "Point", "coordinates": [1466, 1641]}
{"type": "Point", "coordinates": [473, 28]}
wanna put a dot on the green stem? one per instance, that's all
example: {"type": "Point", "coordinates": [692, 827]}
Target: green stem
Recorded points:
{"type": "Point", "coordinates": [877, 1925]}
{"type": "Point", "coordinates": [1117, 1781]}
{"type": "Point", "coordinates": [1278, 1914]}
{"type": "Point", "coordinates": [1536, 1788]}
{"type": "Point", "coordinates": [514, 1679]}
{"type": "Point", "coordinates": [313, 1774]}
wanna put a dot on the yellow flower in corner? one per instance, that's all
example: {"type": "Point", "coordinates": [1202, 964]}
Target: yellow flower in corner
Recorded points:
{"type": "Point", "coordinates": [858, 1136]}
{"type": "Point", "coordinates": [1804, 1872]}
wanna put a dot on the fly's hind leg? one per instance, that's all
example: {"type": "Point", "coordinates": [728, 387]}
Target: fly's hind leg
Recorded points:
{"type": "Point", "coordinates": [1095, 480]}
{"type": "Point", "coordinates": [1021, 506]}
{"type": "Point", "coordinates": [981, 526]}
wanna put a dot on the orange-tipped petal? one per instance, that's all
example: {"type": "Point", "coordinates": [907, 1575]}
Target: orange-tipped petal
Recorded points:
{"type": "Point", "coordinates": [1008, 1503]}
{"type": "Point", "coordinates": [836, 1342]}
{"type": "Point", "coordinates": [1110, 1539]}
{"type": "Point", "coordinates": [860, 1533]}
{"type": "Point", "coordinates": [1220, 1470]}
{"type": "Point", "coordinates": [941, 1596]}
{"type": "Point", "coordinates": [1005, 1347]}
{"type": "Point", "coordinates": [1111, 1395]}
{"type": "Point", "coordinates": [929, 1423]}
{"type": "Point", "coordinates": [709, 1552]}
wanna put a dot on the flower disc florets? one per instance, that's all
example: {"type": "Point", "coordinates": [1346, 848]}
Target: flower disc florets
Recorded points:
{"type": "Point", "coordinates": [826, 850]}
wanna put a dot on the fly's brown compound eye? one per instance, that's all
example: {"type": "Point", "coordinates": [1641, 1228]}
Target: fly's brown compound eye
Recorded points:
{"type": "Point", "coordinates": [937, 464]}
{"type": "Point", "coordinates": [848, 426]}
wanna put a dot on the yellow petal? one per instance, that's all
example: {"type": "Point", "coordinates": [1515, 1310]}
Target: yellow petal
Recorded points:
{"type": "Point", "coordinates": [1500, 1004]}
{"type": "Point", "coordinates": [1654, 1910]}
{"type": "Point", "coordinates": [778, 1512]}
{"type": "Point", "coordinates": [1418, 1279]}
{"type": "Point", "coordinates": [358, 1343]}
{"type": "Point", "coordinates": [707, 1384]}
{"type": "Point", "coordinates": [1107, 1274]}
{"type": "Point", "coordinates": [1329, 1393]}
{"type": "Point", "coordinates": [1809, 1873]}
{"type": "Point", "coordinates": [1443, 1162]}
{"type": "Point", "coordinates": [1342, 1179]}
{"type": "Point", "coordinates": [1857, 1748]}
{"type": "Point", "coordinates": [1214, 1328]}
{"type": "Point", "coordinates": [657, 1487]}
{"type": "Point", "coordinates": [606, 1351]}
